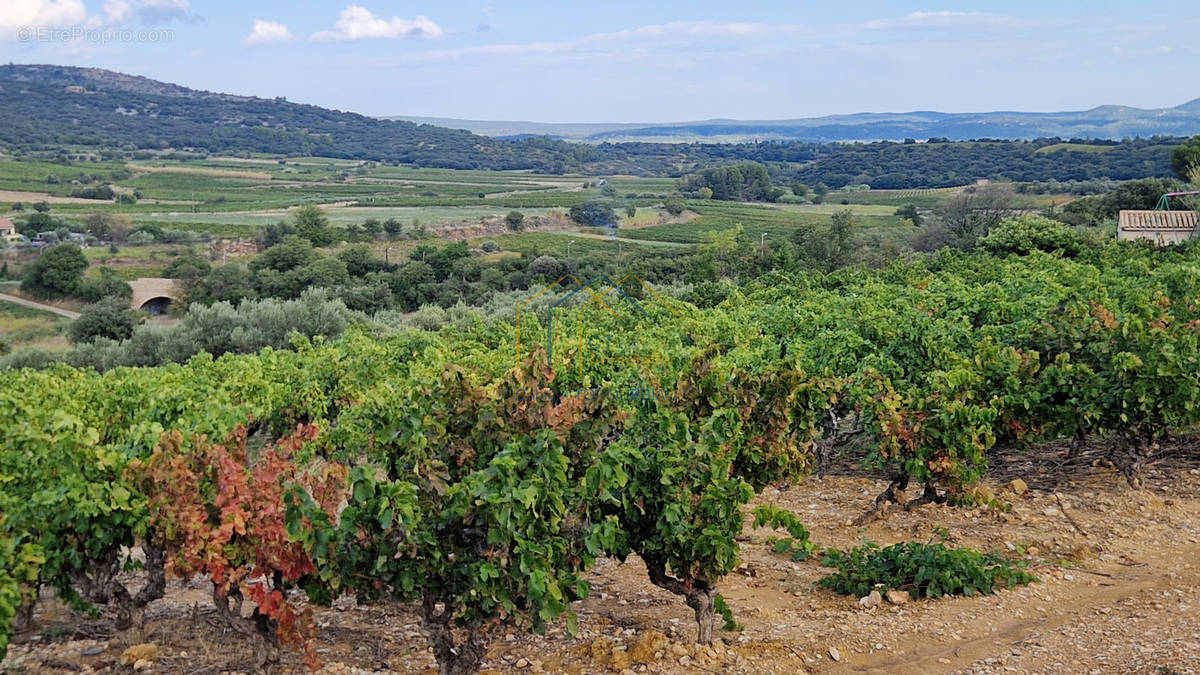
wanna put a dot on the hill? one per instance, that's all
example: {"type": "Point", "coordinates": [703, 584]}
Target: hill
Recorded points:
{"type": "Point", "coordinates": [46, 109]}
{"type": "Point", "coordinates": [1103, 122]}
{"type": "Point", "coordinates": [95, 107]}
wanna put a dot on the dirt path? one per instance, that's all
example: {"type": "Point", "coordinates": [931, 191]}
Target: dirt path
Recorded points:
{"type": "Point", "coordinates": [37, 305]}
{"type": "Point", "coordinates": [1123, 598]}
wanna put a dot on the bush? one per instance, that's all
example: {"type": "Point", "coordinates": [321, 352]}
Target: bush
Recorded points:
{"type": "Point", "coordinates": [94, 290]}
{"type": "Point", "coordinates": [707, 294]}
{"type": "Point", "coordinates": [490, 246]}
{"type": "Point", "coordinates": [924, 570]}
{"type": "Point", "coordinates": [593, 213]}
{"type": "Point", "coordinates": [1028, 233]}
{"type": "Point", "coordinates": [190, 266]}
{"type": "Point", "coordinates": [548, 267]}
{"type": "Point", "coordinates": [57, 272]}
{"type": "Point", "coordinates": [109, 318]}
{"type": "Point", "coordinates": [674, 205]}
{"type": "Point", "coordinates": [28, 357]}
{"type": "Point", "coordinates": [933, 237]}
{"type": "Point", "coordinates": [515, 220]}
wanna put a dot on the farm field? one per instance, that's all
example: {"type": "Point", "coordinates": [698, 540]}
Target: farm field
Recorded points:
{"type": "Point", "coordinates": [233, 197]}
{"type": "Point", "coordinates": [24, 327]}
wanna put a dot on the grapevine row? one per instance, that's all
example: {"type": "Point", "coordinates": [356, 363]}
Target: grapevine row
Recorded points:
{"type": "Point", "coordinates": [449, 471]}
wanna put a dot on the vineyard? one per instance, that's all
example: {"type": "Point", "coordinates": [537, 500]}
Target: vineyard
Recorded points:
{"type": "Point", "coordinates": [461, 476]}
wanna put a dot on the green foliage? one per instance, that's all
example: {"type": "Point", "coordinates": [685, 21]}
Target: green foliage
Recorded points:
{"type": "Point", "coordinates": [187, 267]}
{"type": "Point", "coordinates": [312, 224]}
{"type": "Point", "coordinates": [56, 273]}
{"type": "Point", "coordinates": [109, 317]}
{"type": "Point", "coordinates": [291, 253]}
{"type": "Point", "coordinates": [19, 567]}
{"type": "Point", "coordinates": [594, 213]}
{"type": "Point", "coordinates": [674, 205]}
{"type": "Point", "coordinates": [832, 247]}
{"type": "Point", "coordinates": [924, 570]}
{"type": "Point", "coordinates": [797, 545]}
{"type": "Point", "coordinates": [1185, 158]}
{"type": "Point", "coordinates": [742, 182]}
{"type": "Point", "coordinates": [515, 220]}
{"type": "Point", "coordinates": [909, 212]}
{"type": "Point", "coordinates": [1130, 195]}
{"type": "Point", "coordinates": [94, 289]}
{"type": "Point", "coordinates": [726, 613]}
{"type": "Point", "coordinates": [1028, 233]}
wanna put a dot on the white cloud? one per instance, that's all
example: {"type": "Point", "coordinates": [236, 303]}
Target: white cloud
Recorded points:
{"type": "Point", "coordinates": [358, 23]}
{"type": "Point", "coordinates": [657, 34]}
{"type": "Point", "coordinates": [267, 31]}
{"type": "Point", "coordinates": [948, 19]}
{"type": "Point", "coordinates": [115, 11]}
{"type": "Point", "coordinates": [17, 14]}
{"type": "Point", "coordinates": [35, 14]}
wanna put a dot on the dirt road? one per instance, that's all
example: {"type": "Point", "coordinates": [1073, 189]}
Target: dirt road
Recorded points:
{"type": "Point", "coordinates": [37, 305]}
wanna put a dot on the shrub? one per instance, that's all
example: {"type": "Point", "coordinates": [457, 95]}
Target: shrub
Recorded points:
{"type": "Point", "coordinates": [515, 220]}
{"type": "Point", "coordinates": [707, 294]}
{"type": "Point", "coordinates": [548, 267]}
{"type": "Point", "coordinates": [110, 318]}
{"type": "Point", "coordinates": [56, 272]}
{"type": "Point", "coordinates": [490, 246]}
{"type": "Point", "coordinates": [924, 570]}
{"type": "Point", "coordinates": [593, 213]}
{"type": "Point", "coordinates": [190, 266]}
{"type": "Point", "coordinates": [1028, 233]}
{"type": "Point", "coordinates": [94, 290]}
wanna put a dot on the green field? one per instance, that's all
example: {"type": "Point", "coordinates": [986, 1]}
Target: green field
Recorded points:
{"type": "Point", "coordinates": [24, 327]}
{"type": "Point", "coordinates": [757, 219]}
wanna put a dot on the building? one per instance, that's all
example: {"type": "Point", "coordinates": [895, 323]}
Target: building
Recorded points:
{"type": "Point", "coordinates": [1160, 227]}
{"type": "Point", "coordinates": [8, 231]}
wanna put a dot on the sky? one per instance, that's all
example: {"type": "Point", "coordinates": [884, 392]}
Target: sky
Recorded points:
{"type": "Point", "coordinates": [619, 61]}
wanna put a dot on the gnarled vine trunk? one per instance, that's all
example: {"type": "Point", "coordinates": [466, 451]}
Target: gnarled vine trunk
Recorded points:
{"type": "Point", "coordinates": [1132, 454]}
{"type": "Point", "coordinates": [101, 584]}
{"type": "Point", "coordinates": [700, 595]}
{"type": "Point", "coordinates": [462, 658]}
{"type": "Point", "coordinates": [257, 629]}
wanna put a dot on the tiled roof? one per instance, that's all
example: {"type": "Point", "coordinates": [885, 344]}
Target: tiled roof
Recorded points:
{"type": "Point", "coordinates": [1157, 221]}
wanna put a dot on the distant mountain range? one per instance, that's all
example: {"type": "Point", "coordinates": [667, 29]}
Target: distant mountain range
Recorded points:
{"type": "Point", "coordinates": [1105, 122]}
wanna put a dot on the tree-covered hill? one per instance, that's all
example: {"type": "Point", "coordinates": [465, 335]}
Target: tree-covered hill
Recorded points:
{"type": "Point", "coordinates": [56, 105]}
{"type": "Point", "coordinates": [47, 108]}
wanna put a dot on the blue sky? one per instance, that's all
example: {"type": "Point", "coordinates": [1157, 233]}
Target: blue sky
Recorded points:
{"type": "Point", "coordinates": [618, 61]}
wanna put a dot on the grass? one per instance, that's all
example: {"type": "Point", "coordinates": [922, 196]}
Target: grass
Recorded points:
{"type": "Point", "coordinates": [25, 327]}
{"type": "Point", "coordinates": [756, 220]}
{"type": "Point", "coordinates": [555, 244]}
{"type": "Point", "coordinates": [150, 252]}
{"type": "Point", "coordinates": [430, 216]}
